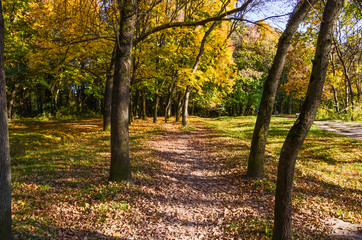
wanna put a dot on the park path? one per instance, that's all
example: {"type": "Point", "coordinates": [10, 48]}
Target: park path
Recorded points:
{"type": "Point", "coordinates": [350, 129]}
{"type": "Point", "coordinates": [192, 198]}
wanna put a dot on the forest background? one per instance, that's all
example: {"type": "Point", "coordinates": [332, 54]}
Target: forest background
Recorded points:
{"type": "Point", "coordinates": [58, 58]}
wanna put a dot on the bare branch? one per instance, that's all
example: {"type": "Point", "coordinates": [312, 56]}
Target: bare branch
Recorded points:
{"type": "Point", "coordinates": [196, 23]}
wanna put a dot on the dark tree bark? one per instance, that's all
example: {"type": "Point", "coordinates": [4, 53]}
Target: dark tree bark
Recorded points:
{"type": "Point", "coordinates": [296, 135]}
{"type": "Point", "coordinates": [155, 110]}
{"type": "Point", "coordinates": [169, 101]}
{"type": "Point", "coordinates": [157, 100]}
{"type": "Point", "coordinates": [135, 105]}
{"type": "Point", "coordinates": [108, 95]}
{"type": "Point", "coordinates": [120, 162]}
{"type": "Point", "coordinates": [5, 178]}
{"type": "Point", "coordinates": [260, 135]}
{"type": "Point", "coordinates": [179, 106]}
{"type": "Point", "coordinates": [130, 110]}
{"type": "Point", "coordinates": [144, 109]}
{"type": "Point", "coordinates": [358, 92]}
{"type": "Point", "coordinates": [12, 100]}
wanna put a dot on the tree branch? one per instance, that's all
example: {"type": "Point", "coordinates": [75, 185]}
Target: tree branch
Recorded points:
{"type": "Point", "coordinates": [196, 23]}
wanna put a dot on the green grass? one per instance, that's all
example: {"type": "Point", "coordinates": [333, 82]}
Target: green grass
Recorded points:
{"type": "Point", "coordinates": [60, 172]}
{"type": "Point", "coordinates": [328, 169]}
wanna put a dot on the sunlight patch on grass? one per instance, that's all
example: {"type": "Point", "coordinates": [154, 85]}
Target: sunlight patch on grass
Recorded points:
{"type": "Point", "coordinates": [60, 171]}
{"type": "Point", "coordinates": [328, 166]}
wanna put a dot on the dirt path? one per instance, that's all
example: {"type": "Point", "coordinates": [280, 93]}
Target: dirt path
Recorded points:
{"type": "Point", "coordinates": [192, 196]}
{"type": "Point", "coordinates": [350, 129]}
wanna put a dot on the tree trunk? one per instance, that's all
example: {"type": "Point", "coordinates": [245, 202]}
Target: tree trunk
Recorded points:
{"type": "Point", "coordinates": [5, 178]}
{"type": "Point", "coordinates": [135, 105]}
{"type": "Point", "coordinates": [347, 101]}
{"type": "Point", "coordinates": [358, 92]}
{"type": "Point", "coordinates": [296, 135]}
{"type": "Point", "coordinates": [185, 106]}
{"type": "Point", "coordinates": [131, 116]}
{"type": "Point", "coordinates": [260, 135]}
{"type": "Point", "coordinates": [120, 161]}
{"type": "Point", "coordinates": [108, 95]}
{"type": "Point", "coordinates": [144, 109]}
{"type": "Point", "coordinates": [179, 107]}
{"type": "Point", "coordinates": [335, 96]}
{"type": "Point", "coordinates": [196, 65]}
{"type": "Point", "coordinates": [155, 112]}
{"type": "Point", "coordinates": [169, 101]}
{"type": "Point", "coordinates": [348, 82]}
{"type": "Point", "coordinates": [169, 110]}
{"type": "Point", "coordinates": [12, 100]}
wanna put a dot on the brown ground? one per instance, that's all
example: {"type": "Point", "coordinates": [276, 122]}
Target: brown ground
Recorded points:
{"type": "Point", "coordinates": [192, 194]}
{"type": "Point", "coordinates": [192, 199]}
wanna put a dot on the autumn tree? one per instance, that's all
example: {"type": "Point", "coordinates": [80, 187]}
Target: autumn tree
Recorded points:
{"type": "Point", "coordinates": [253, 54]}
{"type": "Point", "coordinates": [297, 70]}
{"type": "Point", "coordinates": [257, 151]}
{"type": "Point", "coordinates": [216, 73]}
{"type": "Point", "coordinates": [296, 135]}
{"type": "Point", "coordinates": [18, 45]}
{"type": "Point", "coordinates": [343, 75]}
{"type": "Point", "coordinates": [5, 181]}
{"type": "Point", "coordinates": [59, 55]}
{"type": "Point", "coordinates": [347, 52]}
{"type": "Point", "coordinates": [120, 162]}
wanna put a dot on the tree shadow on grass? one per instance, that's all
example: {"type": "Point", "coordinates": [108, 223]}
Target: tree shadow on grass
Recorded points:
{"type": "Point", "coordinates": [347, 197]}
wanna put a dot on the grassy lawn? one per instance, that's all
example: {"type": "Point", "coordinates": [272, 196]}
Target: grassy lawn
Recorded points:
{"type": "Point", "coordinates": [60, 171]}
{"type": "Point", "coordinates": [59, 177]}
{"type": "Point", "coordinates": [328, 179]}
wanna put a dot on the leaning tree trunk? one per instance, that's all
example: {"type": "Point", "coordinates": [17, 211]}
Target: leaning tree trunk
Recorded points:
{"type": "Point", "coordinates": [5, 181]}
{"type": "Point", "coordinates": [120, 162]}
{"type": "Point", "coordinates": [358, 92]}
{"type": "Point", "coordinates": [296, 135]}
{"type": "Point", "coordinates": [335, 96]}
{"type": "Point", "coordinates": [196, 65]}
{"type": "Point", "coordinates": [260, 135]}
{"type": "Point", "coordinates": [346, 75]}
{"type": "Point", "coordinates": [108, 95]}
